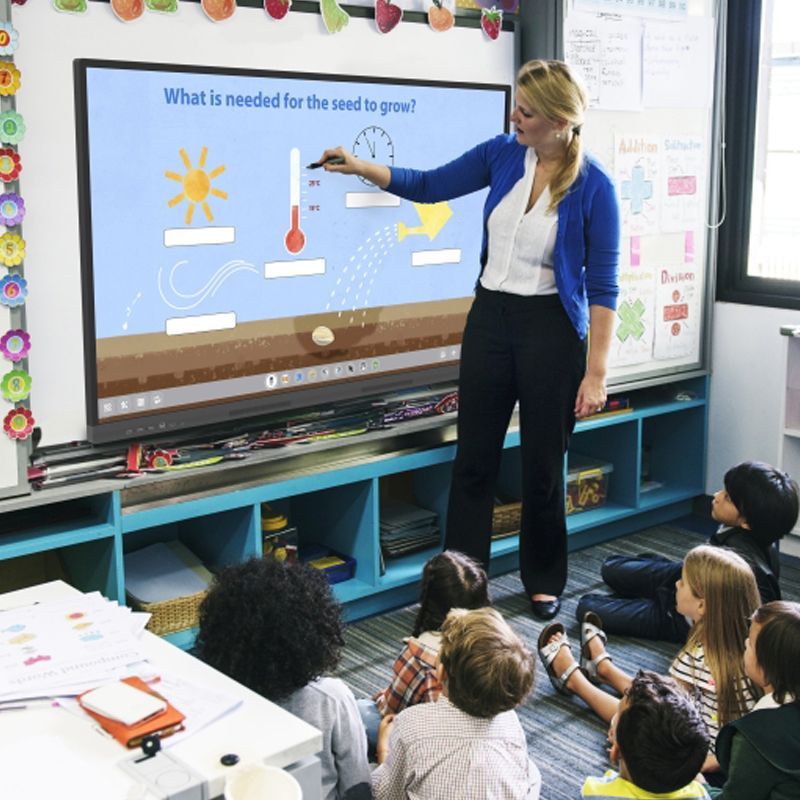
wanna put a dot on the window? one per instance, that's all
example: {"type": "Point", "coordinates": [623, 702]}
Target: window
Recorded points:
{"type": "Point", "coordinates": [759, 246]}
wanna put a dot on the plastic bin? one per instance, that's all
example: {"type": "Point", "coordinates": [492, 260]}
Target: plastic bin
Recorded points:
{"type": "Point", "coordinates": [337, 568]}
{"type": "Point", "coordinates": [587, 482]}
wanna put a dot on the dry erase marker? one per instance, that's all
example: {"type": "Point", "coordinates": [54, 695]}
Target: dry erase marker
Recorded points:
{"type": "Point", "coordinates": [318, 164]}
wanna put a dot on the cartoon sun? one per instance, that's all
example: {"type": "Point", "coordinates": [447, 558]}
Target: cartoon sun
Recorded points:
{"type": "Point", "coordinates": [196, 185]}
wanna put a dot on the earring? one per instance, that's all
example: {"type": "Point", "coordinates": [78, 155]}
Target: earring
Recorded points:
{"type": "Point", "coordinates": [558, 135]}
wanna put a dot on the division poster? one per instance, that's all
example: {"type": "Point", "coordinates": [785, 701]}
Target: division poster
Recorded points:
{"type": "Point", "coordinates": [677, 330]}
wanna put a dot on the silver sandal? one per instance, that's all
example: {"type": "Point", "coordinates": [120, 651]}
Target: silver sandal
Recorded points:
{"type": "Point", "coordinates": [548, 652]}
{"type": "Point", "coordinates": [591, 627]}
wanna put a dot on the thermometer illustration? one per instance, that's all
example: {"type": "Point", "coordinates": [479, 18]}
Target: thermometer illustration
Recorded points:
{"type": "Point", "coordinates": [295, 239]}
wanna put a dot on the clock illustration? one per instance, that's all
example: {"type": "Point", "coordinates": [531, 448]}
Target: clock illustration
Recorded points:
{"type": "Point", "coordinates": [374, 144]}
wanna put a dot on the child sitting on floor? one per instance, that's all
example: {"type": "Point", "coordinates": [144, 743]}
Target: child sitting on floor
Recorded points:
{"type": "Point", "coordinates": [449, 580]}
{"type": "Point", "coordinates": [276, 628]}
{"type": "Point", "coordinates": [760, 753]}
{"type": "Point", "coordinates": [717, 591]}
{"type": "Point", "coordinates": [658, 741]}
{"type": "Point", "coordinates": [469, 744]}
{"type": "Point", "coordinates": [757, 507]}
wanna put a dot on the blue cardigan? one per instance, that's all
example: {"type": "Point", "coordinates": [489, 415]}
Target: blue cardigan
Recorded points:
{"type": "Point", "coordinates": [586, 254]}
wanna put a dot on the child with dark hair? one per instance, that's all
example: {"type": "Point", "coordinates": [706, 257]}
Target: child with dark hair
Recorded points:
{"type": "Point", "coordinates": [449, 580]}
{"type": "Point", "coordinates": [277, 629]}
{"type": "Point", "coordinates": [659, 742]}
{"type": "Point", "coordinates": [757, 507]}
{"type": "Point", "coordinates": [760, 753]}
{"type": "Point", "coordinates": [469, 744]}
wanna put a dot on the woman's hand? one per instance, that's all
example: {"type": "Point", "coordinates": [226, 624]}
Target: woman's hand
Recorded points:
{"type": "Point", "coordinates": [377, 174]}
{"type": "Point", "coordinates": [591, 396]}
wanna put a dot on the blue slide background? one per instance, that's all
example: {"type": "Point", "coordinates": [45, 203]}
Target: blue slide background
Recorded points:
{"type": "Point", "coordinates": [135, 136]}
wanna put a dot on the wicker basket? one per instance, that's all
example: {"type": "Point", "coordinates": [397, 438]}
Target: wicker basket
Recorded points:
{"type": "Point", "coordinates": [505, 520]}
{"type": "Point", "coordinates": [171, 616]}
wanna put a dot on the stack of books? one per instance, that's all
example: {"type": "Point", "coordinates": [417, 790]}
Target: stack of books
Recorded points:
{"type": "Point", "coordinates": [406, 528]}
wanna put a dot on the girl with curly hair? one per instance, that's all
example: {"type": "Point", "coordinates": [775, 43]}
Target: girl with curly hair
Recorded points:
{"type": "Point", "coordinates": [277, 629]}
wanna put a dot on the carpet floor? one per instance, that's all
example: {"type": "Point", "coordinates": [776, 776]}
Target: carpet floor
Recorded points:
{"type": "Point", "coordinates": [564, 738]}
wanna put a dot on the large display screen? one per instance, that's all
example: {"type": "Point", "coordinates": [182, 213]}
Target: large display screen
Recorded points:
{"type": "Point", "coordinates": [225, 278]}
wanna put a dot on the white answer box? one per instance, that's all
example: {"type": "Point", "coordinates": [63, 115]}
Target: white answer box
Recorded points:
{"type": "Point", "coordinates": [428, 258]}
{"type": "Point", "coordinates": [191, 237]}
{"type": "Point", "coordinates": [370, 200]}
{"type": "Point", "coordinates": [294, 269]}
{"type": "Point", "coordinates": [201, 323]}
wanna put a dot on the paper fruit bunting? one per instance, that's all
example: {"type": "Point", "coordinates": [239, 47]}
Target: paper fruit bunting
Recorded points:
{"type": "Point", "coordinates": [218, 10]}
{"type": "Point", "coordinates": [12, 209]}
{"type": "Point", "coordinates": [12, 249]}
{"type": "Point", "coordinates": [333, 15]}
{"type": "Point", "coordinates": [387, 15]}
{"type": "Point", "coordinates": [491, 22]}
{"type": "Point", "coordinates": [13, 290]}
{"type": "Point", "coordinates": [162, 6]}
{"type": "Point", "coordinates": [441, 14]}
{"type": "Point", "coordinates": [16, 385]}
{"type": "Point", "coordinates": [12, 127]}
{"type": "Point", "coordinates": [18, 423]}
{"type": "Point", "coordinates": [277, 9]}
{"type": "Point", "coordinates": [127, 10]}
{"type": "Point", "coordinates": [70, 6]}
{"type": "Point", "coordinates": [15, 344]}
{"type": "Point", "coordinates": [9, 39]}
{"type": "Point", "coordinates": [10, 165]}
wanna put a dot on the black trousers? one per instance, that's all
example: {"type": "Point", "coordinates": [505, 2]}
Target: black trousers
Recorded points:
{"type": "Point", "coordinates": [526, 349]}
{"type": "Point", "coordinates": [643, 603]}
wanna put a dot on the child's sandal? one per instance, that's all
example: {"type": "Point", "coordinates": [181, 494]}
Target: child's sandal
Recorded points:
{"type": "Point", "coordinates": [591, 627]}
{"type": "Point", "coordinates": [548, 652]}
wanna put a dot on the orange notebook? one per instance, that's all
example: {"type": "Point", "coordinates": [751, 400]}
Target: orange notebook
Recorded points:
{"type": "Point", "coordinates": [164, 723]}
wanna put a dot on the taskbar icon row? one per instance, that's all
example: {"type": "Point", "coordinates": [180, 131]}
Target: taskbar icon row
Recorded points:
{"type": "Point", "coordinates": [348, 369]}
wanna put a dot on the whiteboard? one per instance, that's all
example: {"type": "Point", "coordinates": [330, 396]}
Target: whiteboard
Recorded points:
{"type": "Point", "coordinates": [651, 123]}
{"type": "Point", "coordinates": [50, 41]}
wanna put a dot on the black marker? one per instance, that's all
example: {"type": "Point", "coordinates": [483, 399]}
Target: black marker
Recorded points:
{"type": "Point", "coordinates": [318, 164]}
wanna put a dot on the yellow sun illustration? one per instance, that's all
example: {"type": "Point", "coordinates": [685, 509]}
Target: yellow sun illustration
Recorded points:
{"type": "Point", "coordinates": [196, 185]}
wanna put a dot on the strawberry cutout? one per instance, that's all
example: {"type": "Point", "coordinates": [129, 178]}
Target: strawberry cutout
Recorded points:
{"type": "Point", "coordinates": [387, 15]}
{"type": "Point", "coordinates": [491, 21]}
{"type": "Point", "coordinates": [277, 9]}
{"type": "Point", "coordinates": [441, 14]}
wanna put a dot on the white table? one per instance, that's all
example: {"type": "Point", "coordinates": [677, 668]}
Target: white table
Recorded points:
{"type": "Point", "coordinates": [50, 753]}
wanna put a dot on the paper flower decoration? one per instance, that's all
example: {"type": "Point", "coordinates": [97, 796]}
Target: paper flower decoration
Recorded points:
{"type": "Point", "coordinates": [16, 385]}
{"type": "Point", "coordinates": [12, 209]}
{"type": "Point", "coordinates": [15, 344]}
{"type": "Point", "coordinates": [9, 39]}
{"type": "Point", "coordinates": [10, 165]}
{"type": "Point", "coordinates": [9, 78]}
{"type": "Point", "coordinates": [18, 423]}
{"type": "Point", "coordinates": [13, 290]}
{"type": "Point", "coordinates": [12, 127]}
{"type": "Point", "coordinates": [12, 249]}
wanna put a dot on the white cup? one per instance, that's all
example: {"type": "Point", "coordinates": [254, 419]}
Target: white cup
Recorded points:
{"type": "Point", "coordinates": [259, 782]}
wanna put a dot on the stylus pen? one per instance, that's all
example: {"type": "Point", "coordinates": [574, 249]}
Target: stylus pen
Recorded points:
{"type": "Point", "coordinates": [318, 164]}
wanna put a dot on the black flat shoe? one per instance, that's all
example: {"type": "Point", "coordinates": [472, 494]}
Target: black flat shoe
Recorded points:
{"type": "Point", "coordinates": [546, 609]}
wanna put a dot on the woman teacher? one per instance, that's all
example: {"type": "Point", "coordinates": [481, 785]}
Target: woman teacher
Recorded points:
{"type": "Point", "coordinates": [549, 263]}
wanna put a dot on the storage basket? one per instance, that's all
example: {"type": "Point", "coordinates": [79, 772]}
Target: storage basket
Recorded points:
{"type": "Point", "coordinates": [171, 616]}
{"type": "Point", "coordinates": [506, 520]}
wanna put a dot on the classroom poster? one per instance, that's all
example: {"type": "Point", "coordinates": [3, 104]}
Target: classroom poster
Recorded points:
{"type": "Point", "coordinates": [637, 161]}
{"type": "Point", "coordinates": [677, 328]}
{"type": "Point", "coordinates": [633, 333]}
{"type": "Point", "coordinates": [677, 64]}
{"type": "Point", "coordinates": [682, 182]}
{"type": "Point", "coordinates": [674, 9]}
{"type": "Point", "coordinates": [608, 55]}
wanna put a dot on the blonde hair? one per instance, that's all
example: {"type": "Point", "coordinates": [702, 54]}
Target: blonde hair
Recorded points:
{"type": "Point", "coordinates": [489, 670]}
{"type": "Point", "coordinates": [725, 582]}
{"type": "Point", "coordinates": [553, 89]}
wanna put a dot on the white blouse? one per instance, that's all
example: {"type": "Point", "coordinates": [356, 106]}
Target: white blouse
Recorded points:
{"type": "Point", "coordinates": [521, 245]}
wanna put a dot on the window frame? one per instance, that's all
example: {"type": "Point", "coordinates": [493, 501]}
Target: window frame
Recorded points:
{"type": "Point", "coordinates": [743, 56]}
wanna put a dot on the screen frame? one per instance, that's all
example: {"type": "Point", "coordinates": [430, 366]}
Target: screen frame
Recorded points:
{"type": "Point", "coordinates": [230, 412]}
